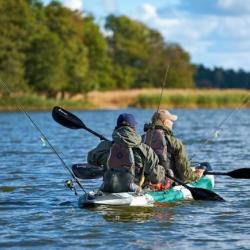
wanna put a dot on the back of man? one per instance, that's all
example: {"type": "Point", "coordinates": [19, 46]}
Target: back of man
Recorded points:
{"type": "Point", "coordinates": [176, 158]}
{"type": "Point", "coordinates": [126, 159]}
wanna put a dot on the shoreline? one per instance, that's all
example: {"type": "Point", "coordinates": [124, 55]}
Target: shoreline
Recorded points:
{"type": "Point", "coordinates": [137, 98]}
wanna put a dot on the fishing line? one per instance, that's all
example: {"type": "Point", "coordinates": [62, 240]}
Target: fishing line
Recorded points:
{"type": "Point", "coordinates": [215, 133]}
{"type": "Point", "coordinates": [21, 109]}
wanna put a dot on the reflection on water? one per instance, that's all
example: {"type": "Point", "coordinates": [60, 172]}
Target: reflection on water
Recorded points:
{"type": "Point", "coordinates": [37, 211]}
{"type": "Point", "coordinates": [134, 214]}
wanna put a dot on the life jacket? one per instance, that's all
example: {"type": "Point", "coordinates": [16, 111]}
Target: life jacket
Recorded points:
{"type": "Point", "coordinates": [121, 158]}
{"type": "Point", "coordinates": [155, 138]}
{"type": "Point", "coordinates": [119, 176]}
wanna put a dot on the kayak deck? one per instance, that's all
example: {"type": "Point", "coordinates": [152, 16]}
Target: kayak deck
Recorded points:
{"type": "Point", "coordinates": [177, 193]}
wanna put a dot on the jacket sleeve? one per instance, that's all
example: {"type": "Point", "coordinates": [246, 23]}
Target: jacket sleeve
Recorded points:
{"type": "Point", "coordinates": [98, 156]}
{"type": "Point", "coordinates": [182, 168]}
{"type": "Point", "coordinates": [151, 165]}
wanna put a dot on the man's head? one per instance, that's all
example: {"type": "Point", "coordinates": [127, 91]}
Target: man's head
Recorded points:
{"type": "Point", "coordinates": [164, 117]}
{"type": "Point", "coordinates": [126, 119]}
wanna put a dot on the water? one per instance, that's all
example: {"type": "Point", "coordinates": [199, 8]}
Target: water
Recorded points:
{"type": "Point", "coordinates": [38, 212]}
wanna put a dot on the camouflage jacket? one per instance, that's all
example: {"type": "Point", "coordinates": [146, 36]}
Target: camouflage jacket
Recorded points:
{"type": "Point", "coordinates": [179, 162]}
{"type": "Point", "coordinates": [146, 161]}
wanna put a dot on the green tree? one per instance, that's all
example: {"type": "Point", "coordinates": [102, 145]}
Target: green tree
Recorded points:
{"type": "Point", "coordinates": [99, 73]}
{"type": "Point", "coordinates": [128, 49]}
{"type": "Point", "coordinates": [17, 23]}
{"type": "Point", "coordinates": [45, 64]}
{"type": "Point", "coordinates": [68, 26]}
{"type": "Point", "coordinates": [140, 56]}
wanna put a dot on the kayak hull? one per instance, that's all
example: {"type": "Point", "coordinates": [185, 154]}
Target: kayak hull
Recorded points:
{"type": "Point", "coordinates": [175, 194]}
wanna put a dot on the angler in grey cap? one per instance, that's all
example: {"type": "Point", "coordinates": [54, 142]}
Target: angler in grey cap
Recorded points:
{"type": "Point", "coordinates": [126, 159]}
{"type": "Point", "coordinates": [170, 150]}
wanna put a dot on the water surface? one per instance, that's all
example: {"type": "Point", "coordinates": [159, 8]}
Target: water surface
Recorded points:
{"type": "Point", "coordinates": [38, 212]}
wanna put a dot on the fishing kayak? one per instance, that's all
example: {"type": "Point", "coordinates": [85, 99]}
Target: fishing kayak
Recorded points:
{"type": "Point", "coordinates": [145, 199]}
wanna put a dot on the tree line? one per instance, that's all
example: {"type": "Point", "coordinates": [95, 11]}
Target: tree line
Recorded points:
{"type": "Point", "coordinates": [221, 78]}
{"type": "Point", "coordinates": [53, 49]}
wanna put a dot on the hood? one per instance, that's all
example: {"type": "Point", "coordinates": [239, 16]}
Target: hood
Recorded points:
{"type": "Point", "coordinates": [157, 125]}
{"type": "Point", "coordinates": [126, 136]}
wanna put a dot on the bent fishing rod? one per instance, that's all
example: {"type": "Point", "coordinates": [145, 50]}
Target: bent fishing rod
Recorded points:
{"type": "Point", "coordinates": [21, 109]}
{"type": "Point", "coordinates": [218, 128]}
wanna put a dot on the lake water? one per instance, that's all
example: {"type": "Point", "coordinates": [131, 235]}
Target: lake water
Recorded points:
{"type": "Point", "coordinates": [38, 212]}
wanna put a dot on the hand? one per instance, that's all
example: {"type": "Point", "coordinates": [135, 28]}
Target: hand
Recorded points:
{"type": "Point", "coordinates": [199, 172]}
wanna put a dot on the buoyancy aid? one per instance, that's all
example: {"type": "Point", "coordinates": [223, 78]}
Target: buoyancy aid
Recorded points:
{"type": "Point", "coordinates": [155, 138]}
{"type": "Point", "coordinates": [119, 176]}
{"type": "Point", "coordinates": [121, 158]}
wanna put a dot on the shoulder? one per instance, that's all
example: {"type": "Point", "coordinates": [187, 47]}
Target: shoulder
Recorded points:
{"type": "Point", "coordinates": [174, 142]}
{"type": "Point", "coordinates": [145, 149]}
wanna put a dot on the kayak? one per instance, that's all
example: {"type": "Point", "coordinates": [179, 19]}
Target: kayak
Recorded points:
{"type": "Point", "coordinates": [145, 199]}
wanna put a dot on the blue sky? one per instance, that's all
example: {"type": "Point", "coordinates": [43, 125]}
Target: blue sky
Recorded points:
{"type": "Point", "coordinates": [214, 32]}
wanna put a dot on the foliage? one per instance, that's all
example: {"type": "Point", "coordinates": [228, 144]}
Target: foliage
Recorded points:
{"type": "Point", "coordinates": [52, 49]}
{"type": "Point", "coordinates": [221, 78]}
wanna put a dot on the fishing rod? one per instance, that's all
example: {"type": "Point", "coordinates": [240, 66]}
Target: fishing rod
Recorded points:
{"type": "Point", "coordinates": [215, 133]}
{"type": "Point", "coordinates": [142, 178]}
{"type": "Point", "coordinates": [162, 87]}
{"type": "Point", "coordinates": [69, 184]}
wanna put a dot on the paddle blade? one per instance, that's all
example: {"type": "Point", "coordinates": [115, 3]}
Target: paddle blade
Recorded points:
{"type": "Point", "coordinates": [67, 119]}
{"type": "Point", "coordinates": [87, 171]}
{"type": "Point", "coordinates": [204, 194]}
{"type": "Point", "coordinates": [242, 173]}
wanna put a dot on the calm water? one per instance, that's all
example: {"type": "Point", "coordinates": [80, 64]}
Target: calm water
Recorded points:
{"type": "Point", "coordinates": [38, 212]}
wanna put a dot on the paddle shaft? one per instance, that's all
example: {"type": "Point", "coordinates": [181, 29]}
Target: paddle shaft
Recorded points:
{"type": "Point", "coordinates": [215, 173]}
{"type": "Point", "coordinates": [241, 173]}
{"type": "Point", "coordinates": [101, 137]}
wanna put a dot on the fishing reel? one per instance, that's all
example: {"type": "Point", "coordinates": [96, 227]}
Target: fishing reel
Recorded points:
{"type": "Point", "coordinates": [70, 184]}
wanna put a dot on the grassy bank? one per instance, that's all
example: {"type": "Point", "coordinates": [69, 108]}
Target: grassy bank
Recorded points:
{"type": "Point", "coordinates": [35, 102]}
{"type": "Point", "coordinates": [196, 99]}
{"type": "Point", "coordinates": [142, 98]}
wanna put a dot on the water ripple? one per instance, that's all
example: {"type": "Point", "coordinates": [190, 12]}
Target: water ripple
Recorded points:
{"type": "Point", "coordinates": [38, 212]}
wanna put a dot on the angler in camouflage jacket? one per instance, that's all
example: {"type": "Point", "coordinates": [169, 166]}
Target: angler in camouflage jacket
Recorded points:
{"type": "Point", "coordinates": [176, 154]}
{"type": "Point", "coordinates": [144, 158]}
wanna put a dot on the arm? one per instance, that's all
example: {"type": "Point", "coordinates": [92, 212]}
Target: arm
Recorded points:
{"type": "Point", "coordinates": [182, 168]}
{"type": "Point", "coordinates": [151, 165]}
{"type": "Point", "coordinates": [98, 156]}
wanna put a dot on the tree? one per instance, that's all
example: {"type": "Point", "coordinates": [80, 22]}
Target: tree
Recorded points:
{"type": "Point", "coordinates": [99, 73]}
{"type": "Point", "coordinates": [68, 26]}
{"type": "Point", "coordinates": [140, 56]}
{"type": "Point", "coordinates": [16, 27]}
{"type": "Point", "coordinates": [45, 64]}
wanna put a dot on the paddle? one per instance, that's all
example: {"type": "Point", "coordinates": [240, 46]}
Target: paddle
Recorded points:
{"type": "Point", "coordinates": [198, 193]}
{"type": "Point", "coordinates": [87, 171]}
{"type": "Point", "coordinates": [71, 121]}
{"type": "Point", "coordinates": [241, 173]}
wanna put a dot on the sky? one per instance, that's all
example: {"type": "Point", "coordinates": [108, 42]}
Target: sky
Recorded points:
{"type": "Point", "coordinates": [216, 33]}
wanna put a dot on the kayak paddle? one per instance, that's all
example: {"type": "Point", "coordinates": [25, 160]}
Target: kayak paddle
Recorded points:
{"type": "Point", "coordinates": [198, 193]}
{"type": "Point", "coordinates": [71, 121]}
{"type": "Point", "coordinates": [241, 173]}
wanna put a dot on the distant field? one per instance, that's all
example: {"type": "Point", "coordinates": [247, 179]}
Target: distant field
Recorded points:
{"type": "Point", "coordinates": [143, 98]}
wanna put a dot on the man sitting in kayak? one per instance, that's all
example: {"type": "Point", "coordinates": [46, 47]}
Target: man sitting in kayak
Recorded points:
{"type": "Point", "coordinates": [126, 159]}
{"type": "Point", "coordinates": [170, 150]}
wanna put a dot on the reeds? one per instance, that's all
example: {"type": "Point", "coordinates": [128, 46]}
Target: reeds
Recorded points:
{"type": "Point", "coordinates": [196, 99]}
{"type": "Point", "coordinates": [35, 102]}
